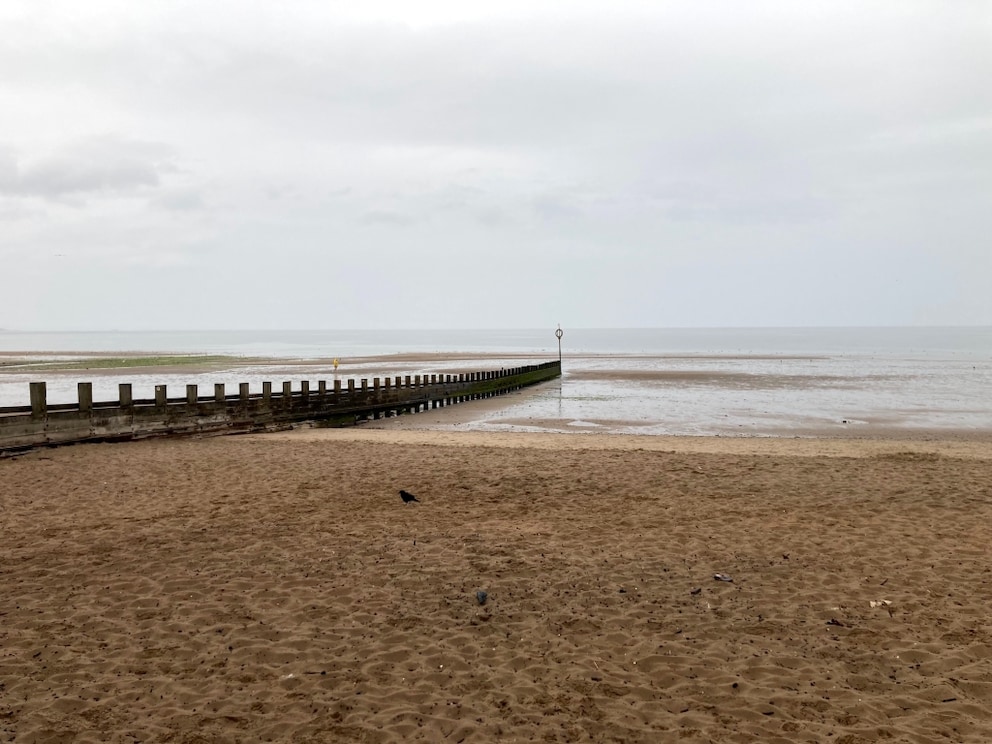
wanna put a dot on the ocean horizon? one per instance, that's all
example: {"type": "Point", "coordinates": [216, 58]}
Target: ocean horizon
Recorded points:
{"type": "Point", "coordinates": [361, 342]}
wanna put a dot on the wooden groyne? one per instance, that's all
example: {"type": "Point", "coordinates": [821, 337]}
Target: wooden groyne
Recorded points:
{"type": "Point", "coordinates": [335, 404]}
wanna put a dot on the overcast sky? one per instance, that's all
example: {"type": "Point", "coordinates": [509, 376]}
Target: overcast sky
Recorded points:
{"type": "Point", "coordinates": [210, 164]}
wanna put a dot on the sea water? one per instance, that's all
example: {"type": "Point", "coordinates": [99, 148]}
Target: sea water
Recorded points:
{"type": "Point", "coordinates": [772, 381]}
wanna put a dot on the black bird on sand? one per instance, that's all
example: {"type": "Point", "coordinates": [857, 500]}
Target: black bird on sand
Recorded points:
{"type": "Point", "coordinates": [408, 497]}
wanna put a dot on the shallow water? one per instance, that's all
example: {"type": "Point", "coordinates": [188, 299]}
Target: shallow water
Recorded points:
{"type": "Point", "coordinates": [744, 395]}
{"type": "Point", "coordinates": [648, 381]}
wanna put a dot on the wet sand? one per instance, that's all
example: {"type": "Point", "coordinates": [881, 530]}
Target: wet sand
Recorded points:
{"type": "Point", "coordinates": [275, 588]}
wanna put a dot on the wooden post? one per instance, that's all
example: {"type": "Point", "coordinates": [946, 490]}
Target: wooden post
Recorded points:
{"type": "Point", "coordinates": [408, 380]}
{"type": "Point", "coordinates": [267, 392]}
{"type": "Point", "coordinates": [305, 389]}
{"type": "Point", "coordinates": [399, 382]}
{"type": "Point", "coordinates": [39, 400]}
{"type": "Point", "coordinates": [161, 396]}
{"type": "Point", "coordinates": [351, 386]}
{"type": "Point", "coordinates": [337, 388]}
{"type": "Point", "coordinates": [322, 388]}
{"type": "Point", "coordinates": [191, 395]}
{"type": "Point", "coordinates": [287, 390]}
{"type": "Point", "coordinates": [416, 382]}
{"type": "Point", "coordinates": [219, 393]}
{"type": "Point", "coordinates": [85, 392]}
{"type": "Point", "coordinates": [243, 391]}
{"type": "Point", "coordinates": [125, 400]}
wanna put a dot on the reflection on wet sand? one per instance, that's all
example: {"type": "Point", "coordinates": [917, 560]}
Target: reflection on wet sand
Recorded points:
{"type": "Point", "coordinates": [738, 380]}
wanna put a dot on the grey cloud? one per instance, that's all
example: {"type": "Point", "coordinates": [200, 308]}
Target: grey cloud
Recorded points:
{"type": "Point", "coordinates": [9, 172]}
{"type": "Point", "coordinates": [554, 208]}
{"type": "Point", "coordinates": [493, 218]}
{"type": "Point", "coordinates": [106, 164]}
{"type": "Point", "coordinates": [738, 211]}
{"type": "Point", "coordinates": [181, 200]}
{"type": "Point", "coordinates": [387, 218]}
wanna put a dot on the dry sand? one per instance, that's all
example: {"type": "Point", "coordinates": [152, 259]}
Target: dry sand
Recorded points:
{"type": "Point", "coordinates": [275, 588]}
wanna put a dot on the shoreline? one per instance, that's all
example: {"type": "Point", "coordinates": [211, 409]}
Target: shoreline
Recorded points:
{"type": "Point", "coordinates": [964, 446]}
{"type": "Point", "coordinates": [476, 417]}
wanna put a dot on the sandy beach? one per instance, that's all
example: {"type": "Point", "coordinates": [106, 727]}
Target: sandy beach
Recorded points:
{"type": "Point", "coordinates": [276, 588]}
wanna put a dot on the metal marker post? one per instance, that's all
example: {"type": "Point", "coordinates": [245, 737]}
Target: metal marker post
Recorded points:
{"type": "Point", "coordinates": [559, 333]}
